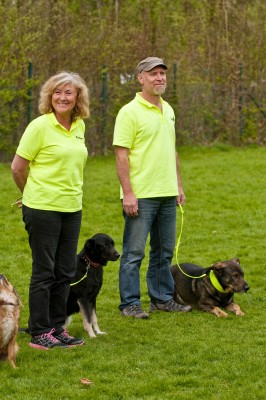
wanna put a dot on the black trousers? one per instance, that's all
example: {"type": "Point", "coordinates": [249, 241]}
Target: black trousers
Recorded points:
{"type": "Point", "coordinates": [53, 238]}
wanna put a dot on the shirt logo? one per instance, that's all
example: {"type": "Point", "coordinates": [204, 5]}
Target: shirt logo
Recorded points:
{"type": "Point", "coordinates": [78, 137]}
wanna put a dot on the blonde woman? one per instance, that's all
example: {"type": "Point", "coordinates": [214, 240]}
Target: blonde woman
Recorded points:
{"type": "Point", "coordinates": [48, 170]}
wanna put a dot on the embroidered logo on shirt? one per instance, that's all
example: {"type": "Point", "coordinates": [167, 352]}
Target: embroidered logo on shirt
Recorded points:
{"type": "Point", "coordinates": [78, 137]}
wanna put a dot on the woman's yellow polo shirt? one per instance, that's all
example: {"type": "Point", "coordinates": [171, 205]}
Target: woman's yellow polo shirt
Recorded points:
{"type": "Point", "coordinates": [57, 160]}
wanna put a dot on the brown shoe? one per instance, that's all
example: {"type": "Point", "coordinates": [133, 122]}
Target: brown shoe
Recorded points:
{"type": "Point", "coordinates": [170, 306]}
{"type": "Point", "coordinates": [134, 311]}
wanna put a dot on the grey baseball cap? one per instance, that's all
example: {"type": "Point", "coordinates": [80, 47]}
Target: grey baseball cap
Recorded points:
{"type": "Point", "coordinates": [150, 63]}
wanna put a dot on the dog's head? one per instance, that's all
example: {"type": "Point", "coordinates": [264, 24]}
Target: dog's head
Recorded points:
{"type": "Point", "coordinates": [101, 249]}
{"type": "Point", "coordinates": [8, 294]}
{"type": "Point", "coordinates": [230, 275]}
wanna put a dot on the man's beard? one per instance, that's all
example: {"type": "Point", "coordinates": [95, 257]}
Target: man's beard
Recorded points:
{"type": "Point", "coordinates": [159, 91]}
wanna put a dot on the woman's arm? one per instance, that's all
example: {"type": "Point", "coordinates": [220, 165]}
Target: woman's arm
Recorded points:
{"type": "Point", "coordinates": [20, 171]}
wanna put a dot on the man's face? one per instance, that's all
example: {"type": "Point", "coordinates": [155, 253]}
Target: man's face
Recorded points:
{"type": "Point", "coordinates": [153, 82]}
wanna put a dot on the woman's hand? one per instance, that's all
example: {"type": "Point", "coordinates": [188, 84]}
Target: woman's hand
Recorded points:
{"type": "Point", "coordinates": [17, 203]}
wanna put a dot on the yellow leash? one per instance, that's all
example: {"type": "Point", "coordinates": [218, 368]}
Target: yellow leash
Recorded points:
{"type": "Point", "coordinates": [212, 276]}
{"type": "Point", "coordinates": [178, 244]}
{"type": "Point", "coordinates": [84, 277]}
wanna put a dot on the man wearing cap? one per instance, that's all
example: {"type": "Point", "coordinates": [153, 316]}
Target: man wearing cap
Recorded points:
{"type": "Point", "coordinates": [151, 187]}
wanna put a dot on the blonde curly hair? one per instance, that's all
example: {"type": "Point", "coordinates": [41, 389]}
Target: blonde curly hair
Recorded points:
{"type": "Point", "coordinates": [81, 109]}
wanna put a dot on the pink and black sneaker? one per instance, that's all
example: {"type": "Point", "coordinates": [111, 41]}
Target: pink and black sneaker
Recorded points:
{"type": "Point", "coordinates": [46, 341]}
{"type": "Point", "coordinates": [65, 338]}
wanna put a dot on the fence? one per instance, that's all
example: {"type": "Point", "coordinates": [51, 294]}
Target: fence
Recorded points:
{"type": "Point", "coordinates": [205, 112]}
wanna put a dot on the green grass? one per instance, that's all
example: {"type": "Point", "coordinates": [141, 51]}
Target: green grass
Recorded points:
{"type": "Point", "coordinates": [183, 356]}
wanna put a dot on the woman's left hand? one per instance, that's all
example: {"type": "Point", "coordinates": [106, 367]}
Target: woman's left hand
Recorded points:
{"type": "Point", "coordinates": [17, 203]}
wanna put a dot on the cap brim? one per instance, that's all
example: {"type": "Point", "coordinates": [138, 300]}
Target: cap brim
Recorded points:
{"type": "Point", "coordinates": [154, 65]}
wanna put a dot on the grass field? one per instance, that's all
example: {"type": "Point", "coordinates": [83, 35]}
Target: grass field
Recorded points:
{"type": "Point", "coordinates": [169, 356]}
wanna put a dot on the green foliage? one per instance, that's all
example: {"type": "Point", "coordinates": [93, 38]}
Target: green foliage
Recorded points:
{"type": "Point", "coordinates": [184, 356]}
{"type": "Point", "coordinates": [205, 41]}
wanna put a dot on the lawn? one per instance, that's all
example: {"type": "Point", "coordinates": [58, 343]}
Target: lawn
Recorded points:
{"type": "Point", "coordinates": [169, 356]}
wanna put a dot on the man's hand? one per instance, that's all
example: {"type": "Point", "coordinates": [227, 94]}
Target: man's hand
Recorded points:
{"type": "Point", "coordinates": [130, 205]}
{"type": "Point", "coordinates": [180, 199]}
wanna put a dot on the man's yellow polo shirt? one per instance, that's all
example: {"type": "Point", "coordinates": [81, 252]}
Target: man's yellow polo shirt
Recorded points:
{"type": "Point", "coordinates": [57, 160]}
{"type": "Point", "coordinates": [149, 134]}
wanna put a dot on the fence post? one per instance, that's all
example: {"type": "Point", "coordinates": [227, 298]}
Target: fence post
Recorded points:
{"type": "Point", "coordinates": [240, 101]}
{"type": "Point", "coordinates": [174, 83]}
{"type": "Point", "coordinates": [29, 103]}
{"type": "Point", "coordinates": [104, 107]}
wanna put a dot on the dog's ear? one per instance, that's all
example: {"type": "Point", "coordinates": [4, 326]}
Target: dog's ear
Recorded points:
{"type": "Point", "coordinates": [90, 243]}
{"type": "Point", "coordinates": [217, 266]}
{"type": "Point", "coordinates": [236, 260]}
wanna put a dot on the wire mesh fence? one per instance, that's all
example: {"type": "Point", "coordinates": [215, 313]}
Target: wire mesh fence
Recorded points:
{"type": "Point", "coordinates": [205, 112]}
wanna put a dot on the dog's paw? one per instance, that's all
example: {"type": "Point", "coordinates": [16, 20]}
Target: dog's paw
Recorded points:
{"type": "Point", "coordinates": [100, 333]}
{"type": "Point", "coordinates": [235, 309]}
{"type": "Point", "coordinates": [240, 313]}
{"type": "Point", "coordinates": [218, 312]}
{"type": "Point", "coordinates": [92, 335]}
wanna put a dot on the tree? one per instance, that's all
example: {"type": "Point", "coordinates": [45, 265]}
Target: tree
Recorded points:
{"type": "Point", "coordinates": [215, 50]}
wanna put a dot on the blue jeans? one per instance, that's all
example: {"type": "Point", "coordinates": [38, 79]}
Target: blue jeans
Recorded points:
{"type": "Point", "coordinates": [53, 238]}
{"type": "Point", "coordinates": [157, 216]}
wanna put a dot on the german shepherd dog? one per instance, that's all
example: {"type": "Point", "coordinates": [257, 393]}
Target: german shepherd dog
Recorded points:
{"type": "Point", "coordinates": [9, 320]}
{"type": "Point", "coordinates": [210, 289]}
{"type": "Point", "coordinates": [88, 280]}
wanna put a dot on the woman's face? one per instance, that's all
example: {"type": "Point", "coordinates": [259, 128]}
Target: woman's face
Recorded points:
{"type": "Point", "coordinates": [64, 99]}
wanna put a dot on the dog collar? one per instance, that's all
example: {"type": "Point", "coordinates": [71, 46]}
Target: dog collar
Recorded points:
{"type": "Point", "coordinates": [90, 263]}
{"type": "Point", "coordinates": [216, 283]}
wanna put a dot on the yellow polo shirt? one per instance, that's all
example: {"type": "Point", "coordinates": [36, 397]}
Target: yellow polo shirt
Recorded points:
{"type": "Point", "coordinates": [149, 134]}
{"type": "Point", "coordinates": [57, 160]}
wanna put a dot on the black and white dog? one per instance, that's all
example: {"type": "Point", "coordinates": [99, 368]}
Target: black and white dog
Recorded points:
{"type": "Point", "coordinates": [88, 280]}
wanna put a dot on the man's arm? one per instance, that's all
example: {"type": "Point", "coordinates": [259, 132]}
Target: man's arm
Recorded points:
{"type": "Point", "coordinates": [181, 197]}
{"type": "Point", "coordinates": [130, 202]}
